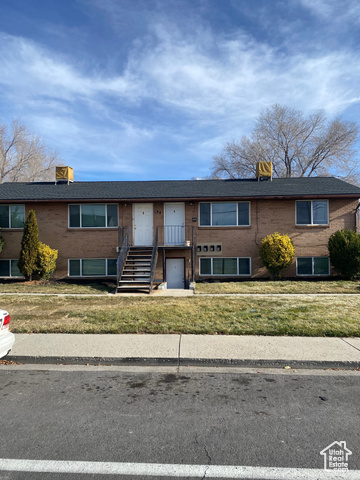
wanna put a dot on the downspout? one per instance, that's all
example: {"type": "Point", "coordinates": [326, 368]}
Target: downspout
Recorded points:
{"type": "Point", "coordinates": [257, 222]}
{"type": "Point", "coordinates": [357, 218]}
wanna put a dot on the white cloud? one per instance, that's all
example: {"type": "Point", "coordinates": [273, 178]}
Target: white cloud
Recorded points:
{"type": "Point", "coordinates": [210, 82]}
{"type": "Point", "coordinates": [26, 64]}
{"type": "Point", "coordinates": [334, 10]}
{"type": "Point", "coordinates": [243, 75]}
{"type": "Point", "coordinates": [201, 75]}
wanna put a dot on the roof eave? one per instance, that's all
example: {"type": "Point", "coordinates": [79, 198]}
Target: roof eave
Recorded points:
{"type": "Point", "coordinates": [182, 199]}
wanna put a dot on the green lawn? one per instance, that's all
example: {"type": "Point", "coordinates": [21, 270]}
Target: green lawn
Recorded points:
{"type": "Point", "coordinates": [296, 287]}
{"type": "Point", "coordinates": [305, 316]}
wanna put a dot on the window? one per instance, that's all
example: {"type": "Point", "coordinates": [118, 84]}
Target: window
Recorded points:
{"type": "Point", "coordinates": [225, 266]}
{"type": "Point", "coordinates": [226, 214]}
{"type": "Point", "coordinates": [93, 215]}
{"type": "Point", "coordinates": [9, 268]}
{"type": "Point", "coordinates": [312, 266]}
{"type": "Point", "coordinates": [312, 212]}
{"type": "Point", "coordinates": [92, 267]}
{"type": "Point", "coordinates": [12, 216]}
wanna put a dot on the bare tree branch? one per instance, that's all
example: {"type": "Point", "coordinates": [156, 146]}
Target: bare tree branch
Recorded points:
{"type": "Point", "coordinates": [298, 146]}
{"type": "Point", "coordinates": [24, 157]}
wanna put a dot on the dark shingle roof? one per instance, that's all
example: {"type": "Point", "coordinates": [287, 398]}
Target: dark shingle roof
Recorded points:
{"type": "Point", "coordinates": [177, 189]}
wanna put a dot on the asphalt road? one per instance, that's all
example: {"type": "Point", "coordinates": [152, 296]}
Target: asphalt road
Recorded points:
{"type": "Point", "coordinates": [227, 417]}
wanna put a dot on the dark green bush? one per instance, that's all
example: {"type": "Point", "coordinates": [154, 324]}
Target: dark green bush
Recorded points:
{"type": "Point", "coordinates": [29, 246]}
{"type": "Point", "coordinates": [344, 250]}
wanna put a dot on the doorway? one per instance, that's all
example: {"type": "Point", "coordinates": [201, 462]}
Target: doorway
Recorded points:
{"type": "Point", "coordinates": [174, 224]}
{"type": "Point", "coordinates": [143, 224]}
{"type": "Point", "coordinates": [175, 273]}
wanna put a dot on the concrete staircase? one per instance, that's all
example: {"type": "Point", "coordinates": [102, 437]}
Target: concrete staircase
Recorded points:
{"type": "Point", "coordinates": [136, 275]}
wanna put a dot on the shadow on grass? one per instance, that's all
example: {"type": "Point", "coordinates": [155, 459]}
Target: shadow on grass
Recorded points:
{"type": "Point", "coordinates": [57, 287]}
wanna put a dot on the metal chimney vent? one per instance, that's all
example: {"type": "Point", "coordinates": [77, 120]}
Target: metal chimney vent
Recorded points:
{"type": "Point", "coordinates": [64, 175]}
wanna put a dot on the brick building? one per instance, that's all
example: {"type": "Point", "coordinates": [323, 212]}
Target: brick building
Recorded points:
{"type": "Point", "coordinates": [177, 231]}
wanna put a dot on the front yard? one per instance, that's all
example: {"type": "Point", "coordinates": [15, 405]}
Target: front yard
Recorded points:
{"type": "Point", "coordinates": [265, 287]}
{"type": "Point", "coordinates": [304, 316]}
{"type": "Point", "coordinates": [101, 288]}
{"type": "Point", "coordinates": [283, 286]}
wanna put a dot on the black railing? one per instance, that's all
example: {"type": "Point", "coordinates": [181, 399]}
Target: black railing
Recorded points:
{"type": "Point", "coordinates": [124, 241]}
{"type": "Point", "coordinates": [154, 259]}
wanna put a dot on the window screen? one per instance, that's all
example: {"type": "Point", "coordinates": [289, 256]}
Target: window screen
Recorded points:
{"type": "Point", "coordinates": [4, 268]}
{"type": "Point", "coordinates": [94, 266]}
{"type": "Point", "coordinates": [244, 266]}
{"type": "Point", "coordinates": [205, 266]}
{"type": "Point", "coordinates": [74, 268]}
{"type": "Point", "coordinates": [93, 216]}
{"type": "Point", "coordinates": [224, 214]}
{"type": "Point", "coordinates": [15, 270]}
{"type": "Point", "coordinates": [303, 213]}
{"type": "Point", "coordinates": [111, 265]}
{"type": "Point", "coordinates": [321, 266]}
{"type": "Point", "coordinates": [243, 213]}
{"type": "Point", "coordinates": [205, 214]}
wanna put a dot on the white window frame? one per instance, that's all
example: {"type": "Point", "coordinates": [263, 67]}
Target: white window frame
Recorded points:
{"type": "Point", "coordinates": [312, 213]}
{"type": "Point", "coordinates": [312, 274]}
{"type": "Point", "coordinates": [224, 274]}
{"type": "Point", "coordinates": [90, 276]}
{"type": "Point", "coordinates": [9, 213]}
{"type": "Point", "coordinates": [106, 215]}
{"type": "Point", "coordinates": [221, 226]}
{"type": "Point", "coordinates": [11, 260]}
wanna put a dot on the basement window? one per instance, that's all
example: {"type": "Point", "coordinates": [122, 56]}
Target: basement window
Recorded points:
{"type": "Point", "coordinates": [312, 266]}
{"type": "Point", "coordinates": [92, 215]}
{"type": "Point", "coordinates": [225, 266]}
{"type": "Point", "coordinates": [10, 268]}
{"type": "Point", "coordinates": [12, 216]}
{"type": "Point", "coordinates": [92, 267]}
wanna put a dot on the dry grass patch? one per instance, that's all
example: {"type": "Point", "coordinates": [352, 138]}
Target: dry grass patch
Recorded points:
{"type": "Point", "coordinates": [53, 287]}
{"type": "Point", "coordinates": [326, 316]}
{"type": "Point", "coordinates": [282, 286]}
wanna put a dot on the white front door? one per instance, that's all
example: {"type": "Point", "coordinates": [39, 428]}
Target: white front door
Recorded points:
{"type": "Point", "coordinates": [175, 273]}
{"type": "Point", "coordinates": [143, 223]}
{"type": "Point", "coordinates": [174, 224]}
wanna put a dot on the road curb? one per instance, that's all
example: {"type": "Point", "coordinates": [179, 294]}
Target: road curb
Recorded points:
{"type": "Point", "coordinates": [350, 365]}
{"type": "Point", "coordinates": [93, 360]}
{"type": "Point", "coordinates": [183, 362]}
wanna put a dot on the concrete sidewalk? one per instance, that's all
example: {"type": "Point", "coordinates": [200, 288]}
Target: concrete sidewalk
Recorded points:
{"type": "Point", "coordinates": [181, 350]}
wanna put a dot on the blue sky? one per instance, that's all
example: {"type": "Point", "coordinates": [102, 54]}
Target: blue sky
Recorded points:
{"type": "Point", "coordinates": [152, 89]}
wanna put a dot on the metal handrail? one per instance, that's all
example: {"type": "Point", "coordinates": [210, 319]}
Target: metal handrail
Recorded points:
{"type": "Point", "coordinates": [124, 237]}
{"type": "Point", "coordinates": [154, 259]}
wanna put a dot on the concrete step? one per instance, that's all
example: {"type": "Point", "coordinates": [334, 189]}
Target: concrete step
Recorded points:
{"type": "Point", "coordinates": [144, 286]}
{"type": "Point", "coordinates": [137, 266]}
{"type": "Point", "coordinates": [140, 252]}
{"type": "Point", "coordinates": [129, 270]}
{"type": "Point", "coordinates": [126, 278]}
{"type": "Point", "coordinates": [134, 282]}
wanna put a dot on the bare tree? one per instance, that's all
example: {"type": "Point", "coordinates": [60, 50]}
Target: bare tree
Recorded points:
{"type": "Point", "coordinates": [24, 157]}
{"type": "Point", "coordinates": [298, 146]}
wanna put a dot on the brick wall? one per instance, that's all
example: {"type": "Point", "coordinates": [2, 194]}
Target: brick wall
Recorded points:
{"type": "Point", "coordinates": [267, 216]}
{"type": "Point", "coordinates": [52, 219]}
